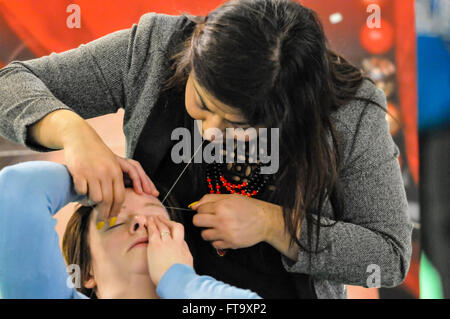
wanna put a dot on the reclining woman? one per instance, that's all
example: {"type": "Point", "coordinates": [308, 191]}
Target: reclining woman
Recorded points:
{"type": "Point", "coordinates": [143, 255]}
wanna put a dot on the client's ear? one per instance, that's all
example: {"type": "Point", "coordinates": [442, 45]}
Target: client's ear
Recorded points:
{"type": "Point", "coordinates": [90, 283]}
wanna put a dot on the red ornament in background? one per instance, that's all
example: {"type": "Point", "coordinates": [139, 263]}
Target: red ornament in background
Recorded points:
{"type": "Point", "coordinates": [377, 40]}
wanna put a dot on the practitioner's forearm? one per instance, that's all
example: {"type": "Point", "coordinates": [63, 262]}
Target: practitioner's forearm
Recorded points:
{"type": "Point", "coordinates": [59, 128]}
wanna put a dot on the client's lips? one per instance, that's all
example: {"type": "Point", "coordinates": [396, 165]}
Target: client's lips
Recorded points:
{"type": "Point", "coordinates": [143, 240]}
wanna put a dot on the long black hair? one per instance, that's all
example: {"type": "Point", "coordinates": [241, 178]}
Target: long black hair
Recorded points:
{"type": "Point", "coordinates": [270, 59]}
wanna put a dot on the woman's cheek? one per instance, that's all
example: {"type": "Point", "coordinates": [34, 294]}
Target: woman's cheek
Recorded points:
{"type": "Point", "coordinates": [191, 108]}
{"type": "Point", "coordinates": [115, 243]}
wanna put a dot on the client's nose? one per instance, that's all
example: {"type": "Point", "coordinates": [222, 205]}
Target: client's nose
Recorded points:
{"type": "Point", "coordinates": [138, 222]}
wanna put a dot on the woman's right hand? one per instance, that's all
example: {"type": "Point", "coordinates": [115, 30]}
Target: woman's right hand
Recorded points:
{"type": "Point", "coordinates": [166, 247]}
{"type": "Point", "coordinates": [98, 173]}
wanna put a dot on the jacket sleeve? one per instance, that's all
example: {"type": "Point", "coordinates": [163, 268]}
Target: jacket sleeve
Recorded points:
{"type": "Point", "coordinates": [373, 239]}
{"type": "Point", "coordinates": [31, 262]}
{"type": "Point", "coordinates": [90, 80]}
{"type": "Point", "coordinates": [181, 282]}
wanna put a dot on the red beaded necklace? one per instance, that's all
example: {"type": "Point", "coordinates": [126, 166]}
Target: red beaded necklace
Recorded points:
{"type": "Point", "coordinates": [218, 184]}
{"type": "Point", "coordinates": [232, 188]}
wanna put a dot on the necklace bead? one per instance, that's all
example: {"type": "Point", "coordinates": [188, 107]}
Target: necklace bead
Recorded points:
{"type": "Point", "coordinates": [251, 185]}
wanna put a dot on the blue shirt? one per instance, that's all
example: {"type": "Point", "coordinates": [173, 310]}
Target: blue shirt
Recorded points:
{"type": "Point", "coordinates": [31, 262]}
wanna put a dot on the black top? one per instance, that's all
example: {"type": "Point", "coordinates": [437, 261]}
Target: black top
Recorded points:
{"type": "Point", "coordinates": [258, 268]}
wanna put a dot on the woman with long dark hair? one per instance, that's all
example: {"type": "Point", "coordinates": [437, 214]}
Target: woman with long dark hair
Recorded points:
{"type": "Point", "coordinates": [334, 213]}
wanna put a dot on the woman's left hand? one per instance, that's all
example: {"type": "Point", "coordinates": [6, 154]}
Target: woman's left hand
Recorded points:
{"type": "Point", "coordinates": [234, 221]}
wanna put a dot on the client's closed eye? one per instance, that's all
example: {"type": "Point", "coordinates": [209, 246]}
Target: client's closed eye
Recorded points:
{"type": "Point", "coordinates": [115, 226]}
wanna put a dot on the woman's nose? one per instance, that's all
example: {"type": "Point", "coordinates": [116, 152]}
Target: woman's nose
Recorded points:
{"type": "Point", "coordinates": [138, 222]}
{"type": "Point", "coordinates": [213, 127]}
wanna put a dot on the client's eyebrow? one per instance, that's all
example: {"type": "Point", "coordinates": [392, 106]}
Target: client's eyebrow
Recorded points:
{"type": "Point", "coordinates": [153, 204]}
{"type": "Point", "coordinates": [146, 205]}
{"type": "Point", "coordinates": [167, 207]}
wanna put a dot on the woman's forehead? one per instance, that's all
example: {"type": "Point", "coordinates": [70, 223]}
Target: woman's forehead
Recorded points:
{"type": "Point", "coordinates": [142, 204]}
{"type": "Point", "coordinates": [133, 199]}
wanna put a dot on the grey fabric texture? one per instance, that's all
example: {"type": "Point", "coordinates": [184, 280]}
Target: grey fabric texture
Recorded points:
{"type": "Point", "coordinates": [125, 69]}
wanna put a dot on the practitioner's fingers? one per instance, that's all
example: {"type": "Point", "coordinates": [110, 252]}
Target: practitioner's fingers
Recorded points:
{"type": "Point", "coordinates": [147, 184]}
{"type": "Point", "coordinates": [119, 196]}
{"type": "Point", "coordinates": [108, 197]}
{"type": "Point", "coordinates": [220, 244]}
{"type": "Point", "coordinates": [95, 191]}
{"type": "Point", "coordinates": [207, 208]}
{"type": "Point", "coordinates": [208, 198]}
{"type": "Point", "coordinates": [81, 185]}
{"type": "Point", "coordinates": [205, 220]}
{"type": "Point", "coordinates": [211, 234]}
{"type": "Point", "coordinates": [132, 172]}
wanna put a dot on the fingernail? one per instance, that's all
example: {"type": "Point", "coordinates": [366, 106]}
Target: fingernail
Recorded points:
{"type": "Point", "coordinates": [112, 221]}
{"type": "Point", "coordinates": [100, 225]}
{"type": "Point", "coordinates": [192, 204]}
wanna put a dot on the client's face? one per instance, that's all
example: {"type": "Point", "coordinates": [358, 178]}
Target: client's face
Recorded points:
{"type": "Point", "coordinates": [119, 253]}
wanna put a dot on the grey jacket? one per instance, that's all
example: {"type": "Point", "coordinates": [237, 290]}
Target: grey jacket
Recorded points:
{"type": "Point", "coordinates": [125, 69]}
